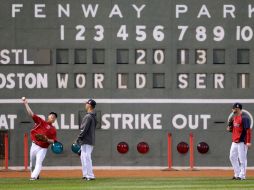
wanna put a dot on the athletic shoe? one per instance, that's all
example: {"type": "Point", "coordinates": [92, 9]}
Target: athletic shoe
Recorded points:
{"type": "Point", "coordinates": [33, 178]}
{"type": "Point", "coordinates": [88, 179]}
{"type": "Point", "coordinates": [239, 178]}
{"type": "Point", "coordinates": [234, 178]}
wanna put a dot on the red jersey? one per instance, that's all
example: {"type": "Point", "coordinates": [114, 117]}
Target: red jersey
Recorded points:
{"type": "Point", "coordinates": [42, 127]}
{"type": "Point", "coordinates": [241, 129]}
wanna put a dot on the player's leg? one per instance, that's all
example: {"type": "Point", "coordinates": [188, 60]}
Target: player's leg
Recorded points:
{"type": "Point", "coordinates": [40, 156]}
{"type": "Point", "coordinates": [233, 156]}
{"type": "Point", "coordinates": [83, 163]}
{"type": "Point", "coordinates": [89, 163]}
{"type": "Point", "coordinates": [242, 149]}
{"type": "Point", "coordinates": [246, 160]}
{"type": "Point", "coordinates": [87, 168]}
{"type": "Point", "coordinates": [33, 151]}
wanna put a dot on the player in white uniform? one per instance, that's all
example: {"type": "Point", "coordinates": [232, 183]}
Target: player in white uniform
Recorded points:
{"type": "Point", "coordinates": [42, 135]}
{"type": "Point", "coordinates": [239, 125]}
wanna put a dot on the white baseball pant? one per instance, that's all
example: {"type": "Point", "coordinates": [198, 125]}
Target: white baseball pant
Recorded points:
{"type": "Point", "coordinates": [238, 158]}
{"type": "Point", "coordinates": [37, 155]}
{"type": "Point", "coordinates": [86, 161]}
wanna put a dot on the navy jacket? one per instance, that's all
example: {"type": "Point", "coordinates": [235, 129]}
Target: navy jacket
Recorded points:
{"type": "Point", "coordinates": [87, 132]}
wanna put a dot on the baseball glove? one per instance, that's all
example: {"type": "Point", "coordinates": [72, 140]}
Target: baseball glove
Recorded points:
{"type": "Point", "coordinates": [41, 137]}
{"type": "Point", "coordinates": [230, 124]}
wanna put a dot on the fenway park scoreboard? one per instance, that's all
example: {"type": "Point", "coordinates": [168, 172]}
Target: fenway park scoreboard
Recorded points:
{"type": "Point", "coordinates": [154, 67]}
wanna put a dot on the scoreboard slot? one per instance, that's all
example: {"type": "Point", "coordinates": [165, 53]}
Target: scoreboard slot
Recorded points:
{"type": "Point", "coordinates": [98, 56]}
{"type": "Point", "coordinates": [243, 56]}
{"type": "Point", "coordinates": [219, 56]}
{"type": "Point", "coordinates": [80, 80]}
{"type": "Point", "coordinates": [158, 80]}
{"type": "Point", "coordinates": [201, 56]}
{"type": "Point", "coordinates": [122, 80]}
{"type": "Point", "coordinates": [140, 56]}
{"type": "Point", "coordinates": [122, 56]}
{"type": "Point", "coordinates": [243, 80]}
{"type": "Point", "coordinates": [80, 56]}
{"type": "Point", "coordinates": [62, 56]}
{"type": "Point", "coordinates": [182, 56]}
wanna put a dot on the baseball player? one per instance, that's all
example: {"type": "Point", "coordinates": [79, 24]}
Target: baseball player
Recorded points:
{"type": "Point", "coordinates": [42, 135]}
{"type": "Point", "coordinates": [86, 139]}
{"type": "Point", "coordinates": [239, 125]}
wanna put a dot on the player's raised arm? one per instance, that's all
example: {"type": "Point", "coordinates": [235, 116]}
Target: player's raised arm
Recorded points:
{"type": "Point", "coordinates": [28, 109]}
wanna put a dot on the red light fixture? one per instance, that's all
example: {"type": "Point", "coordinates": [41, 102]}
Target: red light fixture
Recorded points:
{"type": "Point", "coordinates": [182, 147]}
{"type": "Point", "coordinates": [122, 147]}
{"type": "Point", "coordinates": [203, 147]}
{"type": "Point", "coordinates": [143, 147]}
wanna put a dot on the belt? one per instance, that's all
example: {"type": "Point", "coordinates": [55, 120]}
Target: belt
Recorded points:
{"type": "Point", "coordinates": [238, 142]}
{"type": "Point", "coordinates": [38, 144]}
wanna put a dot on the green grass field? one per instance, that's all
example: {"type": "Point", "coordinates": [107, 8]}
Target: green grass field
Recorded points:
{"type": "Point", "coordinates": [124, 184]}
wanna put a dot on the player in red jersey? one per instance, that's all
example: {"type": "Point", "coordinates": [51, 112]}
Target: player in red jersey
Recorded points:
{"type": "Point", "coordinates": [42, 135]}
{"type": "Point", "coordinates": [239, 125]}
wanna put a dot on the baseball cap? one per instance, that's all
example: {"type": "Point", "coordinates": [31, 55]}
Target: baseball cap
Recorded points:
{"type": "Point", "coordinates": [53, 114]}
{"type": "Point", "coordinates": [237, 105]}
{"type": "Point", "coordinates": [91, 102]}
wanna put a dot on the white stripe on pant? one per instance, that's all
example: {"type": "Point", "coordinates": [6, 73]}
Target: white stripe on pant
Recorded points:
{"type": "Point", "coordinates": [37, 155]}
{"type": "Point", "coordinates": [238, 158]}
{"type": "Point", "coordinates": [86, 160]}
